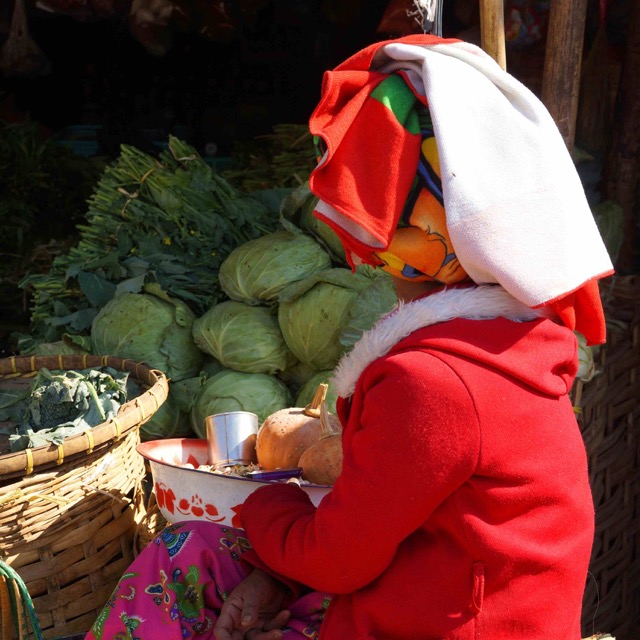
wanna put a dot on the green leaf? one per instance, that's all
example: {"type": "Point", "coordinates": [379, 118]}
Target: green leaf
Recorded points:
{"type": "Point", "coordinates": [98, 290]}
{"type": "Point", "coordinates": [61, 404]}
{"type": "Point", "coordinates": [378, 299]}
{"type": "Point", "coordinates": [131, 285]}
{"type": "Point", "coordinates": [136, 266]}
{"type": "Point", "coordinates": [78, 320]}
{"type": "Point", "coordinates": [336, 276]}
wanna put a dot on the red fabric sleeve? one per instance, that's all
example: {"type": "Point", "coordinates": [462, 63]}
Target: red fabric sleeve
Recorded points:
{"type": "Point", "coordinates": [418, 439]}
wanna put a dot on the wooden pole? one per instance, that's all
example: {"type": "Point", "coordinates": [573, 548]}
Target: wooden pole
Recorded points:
{"type": "Point", "coordinates": [492, 37]}
{"type": "Point", "coordinates": [621, 171]}
{"type": "Point", "coordinates": [562, 64]}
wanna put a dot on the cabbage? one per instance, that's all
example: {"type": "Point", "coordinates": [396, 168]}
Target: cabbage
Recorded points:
{"type": "Point", "coordinates": [294, 377]}
{"type": "Point", "coordinates": [185, 392]}
{"type": "Point", "coordinates": [210, 366]}
{"type": "Point", "coordinates": [229, 390]}
{"type": "Point", "coordinates": [373, 302]}
{"type": "Point", "coordinates": [56, 348]}
{"type": "Point", "coordinates": [173, 418]}
{"type": "Point", "coordinates": [312, 314]}
{"type": "Point", "coordinates": [586, 361]}
{"type": "Point", "coordinates": [243, 337]}
{"type": "Point", "coordinates": [256, 271]}
{"type": "Point", "coordinates": [309, 388]}
{"type": "Point", "coordinates": [169, 421]}
{"type": "Point", "coordinates": [297, 208]}
{"type": "Point", "coordinates": [151, 328]}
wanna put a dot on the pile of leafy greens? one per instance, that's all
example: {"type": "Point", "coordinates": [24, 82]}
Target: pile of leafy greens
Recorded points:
{"type": "Point", "coordinates": [60, 404]}
{"type": "Point", "coordinates": [242, 299]}
{"type": "Point", "coordinates": [169, 220]}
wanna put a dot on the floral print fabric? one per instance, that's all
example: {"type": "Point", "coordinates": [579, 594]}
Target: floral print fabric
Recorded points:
{"type": "Point", "coordinates": [175, 588]}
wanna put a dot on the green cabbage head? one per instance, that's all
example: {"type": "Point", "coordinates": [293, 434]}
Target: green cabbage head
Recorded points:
{"type": "Point", "coordinates": [313, 312]}
{"type": "Point", "coordinates": [375, 301]}
{"type": "Point", "coordinates": [297, 209]}
{"type": "Point", "coordinates": [229, 390]}
{"type": "Point", "coordinates": [243, 337]}
{"type": "Point", "coordinates": [169, 421]}
{"type": "Point", "coordinates": [256, 271]}
{"type": "Point", "coordinates": [151, 328]}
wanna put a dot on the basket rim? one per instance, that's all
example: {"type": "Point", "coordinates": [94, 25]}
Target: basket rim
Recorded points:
{"type": "Point", "coordinates": [130, 416]}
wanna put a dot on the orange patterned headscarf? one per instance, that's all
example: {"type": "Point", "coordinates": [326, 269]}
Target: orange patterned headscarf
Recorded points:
{"type": "Point", "coordinates": [421, 249]}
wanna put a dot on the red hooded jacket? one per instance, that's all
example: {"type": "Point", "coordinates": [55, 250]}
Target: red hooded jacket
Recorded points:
{"type": "Point", "coordinates": [463, 510]}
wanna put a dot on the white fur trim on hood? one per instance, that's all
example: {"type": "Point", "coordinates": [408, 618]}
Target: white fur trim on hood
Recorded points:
{"type": "Point", "coordinates": [477, 303]}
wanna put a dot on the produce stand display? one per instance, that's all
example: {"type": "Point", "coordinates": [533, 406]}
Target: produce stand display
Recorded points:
{"type": "Point", "coordinates": [69, 513]}
{"type": "Point", "coordinates": [73, 517]}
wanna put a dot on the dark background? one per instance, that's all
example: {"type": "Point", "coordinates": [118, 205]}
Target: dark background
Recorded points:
{"type": "Point", "coordinates": [216, 74]}
{"type": "Point", "coordinates": [230, 82]}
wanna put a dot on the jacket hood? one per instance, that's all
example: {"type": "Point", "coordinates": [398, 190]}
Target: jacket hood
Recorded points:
{"type": "Point", "coordinates": [507, 344]}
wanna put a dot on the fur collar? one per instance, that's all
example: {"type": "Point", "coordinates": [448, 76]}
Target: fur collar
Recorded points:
{"type": "Point", "coordinates": [478, 303]}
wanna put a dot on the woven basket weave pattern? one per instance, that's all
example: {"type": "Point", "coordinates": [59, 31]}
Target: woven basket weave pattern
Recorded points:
{"type": "Point", "coordinates": [610, 424]}
{"type": "Point", "coordinates": [68, 517]}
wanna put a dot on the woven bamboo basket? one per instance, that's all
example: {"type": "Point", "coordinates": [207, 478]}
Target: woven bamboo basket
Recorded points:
{"type": "Point", "coordinates": [69, 513]}
{"type": "Point", "coordinates": [151, 521]}
{"type": "Point", "coordinates": [609, 416]}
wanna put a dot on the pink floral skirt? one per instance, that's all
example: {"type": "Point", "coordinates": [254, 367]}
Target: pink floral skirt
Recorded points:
{"type": "Point", "coordinates": [174, 589]}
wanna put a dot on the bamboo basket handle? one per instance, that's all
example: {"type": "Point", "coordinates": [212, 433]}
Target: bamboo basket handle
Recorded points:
{"type": "Point", "coordinates": [492, 37]}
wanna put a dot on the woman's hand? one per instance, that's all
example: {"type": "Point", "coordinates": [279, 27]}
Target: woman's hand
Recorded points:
{"type": "Point", "coordinates": [253, 610]}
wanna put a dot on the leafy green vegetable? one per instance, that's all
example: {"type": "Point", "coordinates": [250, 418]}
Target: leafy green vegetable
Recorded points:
{"type": "Point", "coordinates": [256, 271]}
{"type": "Point", "coordinates": [243, 337]}
{"type": "Point", "coordinates": [12, 399]}
{"type": "Point", "coordinates": [210, 366]}
{"type": "Point", "coordinates": [284, 158]}
{"type": "Point", "coordinates": [43, 188]}
{"type": "Point", "coordinates": [186, 391]}
{"type": "Point", "coordinates": [374, 301]}
{"type": "Point", "coordinates": [297, 209]}
{"type": "Point", "coordinates": [229, 390]}
{"type": "Point", "coordinates": [61, 404]}
{"type": "Point", "coordinates": [169, 421]}
{"type": "Point", "coordinates": [308, 390]}
{"type": "Point", "coordinates": [312, 314]}
{"type": "Point", "coordinates": [149, 327]}
{"type": "Point", "coordinates": [169, 220]}
{"type": "Point", "coordinates": [296, 375]}
{"type": "Point", "coordinates": [172, 419]}
{"type": "Point", "coordinates": [59, 347]}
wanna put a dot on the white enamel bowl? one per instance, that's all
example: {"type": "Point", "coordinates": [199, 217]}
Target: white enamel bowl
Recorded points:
{"type": "Point", "coordinates": [183, 493]}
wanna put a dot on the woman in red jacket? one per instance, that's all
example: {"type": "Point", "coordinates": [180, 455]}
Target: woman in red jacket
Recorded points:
{"type": "Point", "coordinates": [463, 509]}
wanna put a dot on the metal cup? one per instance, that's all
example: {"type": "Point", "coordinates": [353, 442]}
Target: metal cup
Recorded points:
{"type": "Point", "coordinates": [231, 438]}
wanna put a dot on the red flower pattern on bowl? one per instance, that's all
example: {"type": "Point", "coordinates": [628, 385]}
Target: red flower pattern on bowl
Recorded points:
{"type": "Point", "coordinates": [191, 493]}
